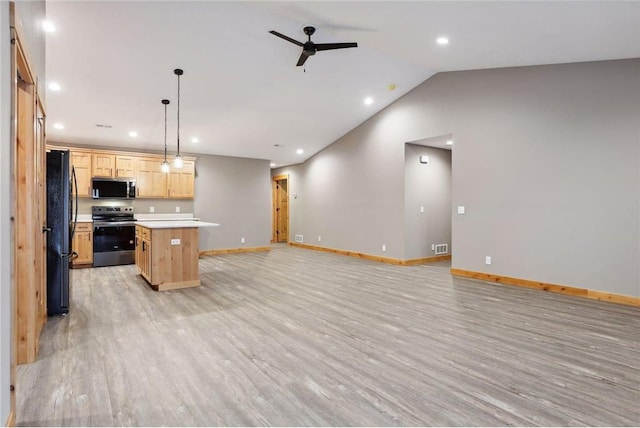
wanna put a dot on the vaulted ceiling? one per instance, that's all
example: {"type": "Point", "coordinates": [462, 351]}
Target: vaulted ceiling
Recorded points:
{"type": "Point", "coordinates": [241, 92]}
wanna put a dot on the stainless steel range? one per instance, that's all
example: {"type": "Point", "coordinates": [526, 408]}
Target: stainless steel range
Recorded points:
{"type": "Point", "coordinates": [114, 234]}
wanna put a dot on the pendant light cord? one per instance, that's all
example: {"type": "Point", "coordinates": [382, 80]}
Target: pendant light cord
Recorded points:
{"type": "Point", "coordinates": [179, 74]}
{"type": "Point", "coordinates": [165, 103]}
{"type": "Point", "coordinates": [165, 132]}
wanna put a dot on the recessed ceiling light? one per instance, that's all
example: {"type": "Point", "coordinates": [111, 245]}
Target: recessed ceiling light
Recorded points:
{"type": "Point", "coordinates": [133, 134]}
{"type": "Point", "coordinates": [368, 100]}
{"type": "Point", "coordinates": [58, 126]}
{"type": "Point", "coordinates": [449, 143]}
{"type": "Point", "coordinates": [55, 86]}
{"type": "Point", "coordinates": [442, 41]}
{"type": "Point", "coordinates": [195, 140]}
{"type": "Point", "coordinates": [272, 165]}
{"type": "Point", "coordinates": [48, 26]}
{"type": "Point", "coordinates": [299, 151]}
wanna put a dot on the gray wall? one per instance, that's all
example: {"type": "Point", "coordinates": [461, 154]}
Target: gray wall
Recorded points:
{"type": "Point", "coordinates": [236, 193]}
{"type": "Point", "coordinates": [546, 163]}
{"type": "Point", "coordinates": [426, 186]}
{"type": "Point", "coordinates": [29, 14]}
{"type": "Point", "coordinates": [5, 212]}
{"type": "Point", "coordinates": [351, 194]}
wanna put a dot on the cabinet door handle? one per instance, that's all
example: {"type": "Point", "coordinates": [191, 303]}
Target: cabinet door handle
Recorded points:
{"type": "Point", "coordinates": [143, 246]}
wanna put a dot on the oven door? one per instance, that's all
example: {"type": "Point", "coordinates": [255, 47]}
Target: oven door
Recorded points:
{"type": "Point", "coordinates": [113, 243]}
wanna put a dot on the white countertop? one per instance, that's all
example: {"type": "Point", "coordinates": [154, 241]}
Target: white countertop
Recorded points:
{"type": "Point", "coordinates": [85, 218]}
{"type": "Point", "coordinates": [175, 224]}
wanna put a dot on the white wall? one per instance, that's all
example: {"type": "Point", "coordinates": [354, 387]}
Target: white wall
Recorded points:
{"type": "Point", "coordinates": [546, 162]}
{"type": "Point", "coordinates": [5, 212]}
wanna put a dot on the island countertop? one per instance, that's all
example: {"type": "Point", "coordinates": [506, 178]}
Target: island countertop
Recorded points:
{"type": "Point", "coordinates": [174, 224]}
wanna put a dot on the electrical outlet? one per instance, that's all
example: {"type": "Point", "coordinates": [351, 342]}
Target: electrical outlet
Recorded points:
{"type": "Point", "coordinates": [177, 209]}
{"type": "Point", "coordinates": [487, 260]}
{"type": "Point", "coordinates": [175, 241]}
{"type": "Point", "coordinates": [461, 209]}
{"type": "Point", "coordinates": [152, 209]}
{"type": "Point", "coordinates": [384, 247]}
{"type": "Point", "coordinates": [421, 210]}
{"type": "Point", "coordinates": [242, 240]}
{"type": "Point", "coordinates": [319, 238]}
{"type": "Point", "coordinates": [433, 247]}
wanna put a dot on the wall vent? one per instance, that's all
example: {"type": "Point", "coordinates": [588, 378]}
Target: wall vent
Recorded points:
{"type": "Point", "coordinates": [299, 238]}
{"type": "Point", "coordinates": [442, 248]}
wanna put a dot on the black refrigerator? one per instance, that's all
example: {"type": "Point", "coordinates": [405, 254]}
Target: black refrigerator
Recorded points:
{"type": "Point", "coordinates": [61, 223]}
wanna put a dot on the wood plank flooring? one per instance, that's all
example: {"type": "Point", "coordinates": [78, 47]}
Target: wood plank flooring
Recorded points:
{"type": "Point", "coordinates": [296, 337]}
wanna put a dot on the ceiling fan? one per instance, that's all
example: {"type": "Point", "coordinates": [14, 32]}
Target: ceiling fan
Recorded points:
{"type": "Point", "coordinates": [309, 48]}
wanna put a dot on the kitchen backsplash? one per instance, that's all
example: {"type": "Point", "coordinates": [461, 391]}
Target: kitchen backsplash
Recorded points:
{"type": "Point", "coordinates": [139, 205]}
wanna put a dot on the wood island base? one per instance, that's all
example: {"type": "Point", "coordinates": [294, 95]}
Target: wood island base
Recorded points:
{"type": "Point", "coordinates": [168, 257]}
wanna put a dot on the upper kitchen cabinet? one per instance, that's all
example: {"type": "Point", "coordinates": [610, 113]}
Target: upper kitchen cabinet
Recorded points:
{"type": "Point", "coordinates": [82, 162]}
{"type": "Point", "coordinates": [125, 166]}
{"type": "Point", "coordinates": [151, 181]}
{"type": "Point", "coordinates": [181, 181]}
{"type": "Point", "coordinates": [104, 165]}
{"type": "Point", "coordinates": [114, 166]}
{"type": "Point", "coordinates": [144, 168]}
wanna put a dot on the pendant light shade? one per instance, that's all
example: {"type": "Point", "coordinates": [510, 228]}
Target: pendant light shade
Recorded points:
{"type": "Point", "coordinates": [164, 166]}
{"type": "Point", "coordinates": [177, 161]}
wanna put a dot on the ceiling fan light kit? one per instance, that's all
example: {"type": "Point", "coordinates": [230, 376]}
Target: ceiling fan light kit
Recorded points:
{"type": "Point", "coordinates": [310, 48]}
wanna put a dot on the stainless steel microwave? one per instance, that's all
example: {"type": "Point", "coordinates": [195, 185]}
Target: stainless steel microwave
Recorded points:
{"type": "Point", "coordinates": [113, 188]}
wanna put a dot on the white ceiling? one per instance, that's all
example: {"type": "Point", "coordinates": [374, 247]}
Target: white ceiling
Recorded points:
{"type": "Point", "coordinates": [241, 92]}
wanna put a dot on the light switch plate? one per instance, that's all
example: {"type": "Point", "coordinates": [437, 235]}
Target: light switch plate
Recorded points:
{"type": "Point", "coordinates": [175, 241]}
{"type": "Point", "coordinates": [461, 209]}
{"type": "Point", "coordinates": [177, 209]}
{"type": "Point", "coordinates": [152, 209]}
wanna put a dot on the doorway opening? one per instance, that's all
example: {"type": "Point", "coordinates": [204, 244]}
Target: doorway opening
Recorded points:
{"type": "Point", "coordinates": [280, 215]}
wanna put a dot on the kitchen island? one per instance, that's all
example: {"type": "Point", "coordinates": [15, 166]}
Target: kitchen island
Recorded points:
{"type": "Point", "coordinates": [167, 253]}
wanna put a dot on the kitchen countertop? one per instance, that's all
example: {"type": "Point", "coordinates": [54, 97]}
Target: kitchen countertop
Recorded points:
{"type": "Point", "coordinates": [84, 218]}
{"type": "Point", "coordinates": [174, 224]}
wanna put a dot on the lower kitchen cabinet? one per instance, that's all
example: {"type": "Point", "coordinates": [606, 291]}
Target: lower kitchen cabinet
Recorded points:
{"type": "Point", "coordinates": [167, 256]}
{"type": "Point", "coordinates": [83, 245]}
{"type": "Point", "coordinates": [143, 252]}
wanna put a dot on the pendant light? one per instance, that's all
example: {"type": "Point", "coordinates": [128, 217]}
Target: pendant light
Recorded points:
{"type": "Point", "coordinates": [177, 161]}
{"type": "Point", "coordinates": [164, 166]}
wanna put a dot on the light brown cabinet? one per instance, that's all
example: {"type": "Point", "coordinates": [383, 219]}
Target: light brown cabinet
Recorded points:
{"type": "Point", "coordinates": [181, 181]}
{"type": "Point", "coordinates": [83, 245]}
{"type": "Point", "coordinates": [143, 251]}
{"type": "Point", "coordinates": [125, 166]}
{"type": "Point", "coordinates": [103, 165]}
{"type": "Point", "coordinates": [151, 181]}
{"type": "Point", "coordinates": [82, 162]}
{"type": "Point", "coordinates": [145, 169]}
{"type": "Point", "coordinates": [168, 257]}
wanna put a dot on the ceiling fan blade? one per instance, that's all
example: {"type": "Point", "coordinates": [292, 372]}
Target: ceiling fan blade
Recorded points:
{"type": "Point", "coordinates": [302, 59]}
{"type": "Point", "coordinates": [288, 39]}
{"type": "Point", "coordinates": [329, 46]}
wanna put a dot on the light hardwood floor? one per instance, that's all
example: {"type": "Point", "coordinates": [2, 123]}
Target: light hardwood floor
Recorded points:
{"type": "Point", "coordinates": [297, 337]}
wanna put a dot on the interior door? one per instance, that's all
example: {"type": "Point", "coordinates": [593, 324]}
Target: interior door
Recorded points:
{"type": "Point", "coordinates": [280, 231]}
